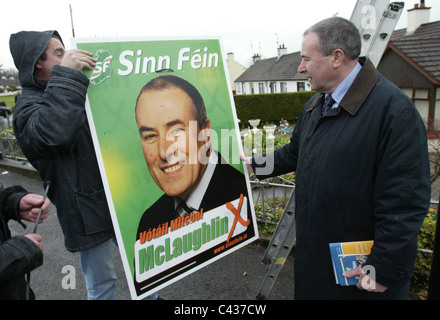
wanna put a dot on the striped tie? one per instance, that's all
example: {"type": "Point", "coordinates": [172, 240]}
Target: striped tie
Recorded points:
{"type": "Point", "coordinates": [184, 210]}
{"type": "Point", "coordinates": [328, 103]}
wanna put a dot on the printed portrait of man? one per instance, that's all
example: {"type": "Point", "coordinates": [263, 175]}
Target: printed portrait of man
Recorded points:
{"type": "Point", "coordinates": [175, 134]}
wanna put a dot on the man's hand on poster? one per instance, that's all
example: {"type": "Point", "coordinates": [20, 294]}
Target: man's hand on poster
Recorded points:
{"type": "Point", "coordinates": [247, 161]}
{"type": "Point", "coordinates": [78, 59]}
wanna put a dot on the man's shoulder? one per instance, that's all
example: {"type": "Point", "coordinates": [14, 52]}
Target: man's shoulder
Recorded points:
{"type": "Point", "coordinates": [396, 97]}
{"type": "Point", "coordinates": [158, 213]}
{"type": "Point", "coordinates": [225, 173]}
{"type": "Point", "coordinates": [163, 201]}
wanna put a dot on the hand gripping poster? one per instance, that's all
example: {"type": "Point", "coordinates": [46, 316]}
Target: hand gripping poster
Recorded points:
{"type": "Point", "coordinates": [166, 136]}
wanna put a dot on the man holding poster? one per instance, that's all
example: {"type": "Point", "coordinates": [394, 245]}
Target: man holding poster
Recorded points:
{"type": "Point", "coordinates": [50, 126]}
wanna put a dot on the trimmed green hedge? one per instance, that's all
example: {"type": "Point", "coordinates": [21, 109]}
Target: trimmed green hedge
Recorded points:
{"type": "Point", "coordinates": [9, 99]}
{"type": "Point", "coordinates": [271, 107]}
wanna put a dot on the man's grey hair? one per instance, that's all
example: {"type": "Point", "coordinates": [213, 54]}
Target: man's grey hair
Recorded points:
{"type": "Point", "coordinates": [337, 33]}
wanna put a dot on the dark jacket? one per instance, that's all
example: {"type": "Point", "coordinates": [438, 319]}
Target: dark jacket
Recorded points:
{"type": "Point", "coordinates": [362, 173]}
{"type": "Point", "coordinates": [18, 255]}
{"type": "Point", "coordinates": [51, 127]}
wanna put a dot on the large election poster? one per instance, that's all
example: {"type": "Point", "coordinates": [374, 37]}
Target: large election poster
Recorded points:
{"type": "Point", "coordinates": [166, 135]}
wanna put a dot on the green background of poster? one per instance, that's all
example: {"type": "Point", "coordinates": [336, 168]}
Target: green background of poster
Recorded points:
{"type": "Point", "coordinates": [112, 104]}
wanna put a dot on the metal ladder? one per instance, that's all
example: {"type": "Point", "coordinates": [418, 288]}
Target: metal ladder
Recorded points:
{"type": "Point", "coordinates": [376, 20]}
{"type": "Point", "coordinates": [279, 248]}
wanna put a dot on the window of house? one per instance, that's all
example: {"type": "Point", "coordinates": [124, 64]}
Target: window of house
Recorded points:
{"type": "Point", "coordinates": [283, 86]}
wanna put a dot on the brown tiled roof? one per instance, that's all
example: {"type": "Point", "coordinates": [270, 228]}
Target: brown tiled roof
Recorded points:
{"type": "Point", "coordinates": [422, 47]}
{"type": "Point", "coordinates": [425, 30]}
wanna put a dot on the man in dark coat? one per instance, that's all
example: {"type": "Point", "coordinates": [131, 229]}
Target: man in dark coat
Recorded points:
{"type": "Point", "coordinates": [51, 127]}
{"type": "Point", "coordinates": [19, 254]}
{"type": "Point", "coordinates": [362, 169]}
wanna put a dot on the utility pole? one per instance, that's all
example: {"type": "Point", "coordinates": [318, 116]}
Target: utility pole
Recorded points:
{"type": "Point", "coordinates": [71, 21]}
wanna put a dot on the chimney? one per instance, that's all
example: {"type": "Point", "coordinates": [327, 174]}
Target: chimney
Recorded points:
{"type": "Point", "coordinates": [417, 16]}
{"type": "Point", "coordinates": [282, 50]}
{"type": "Point", "coordinates": [256, 57]}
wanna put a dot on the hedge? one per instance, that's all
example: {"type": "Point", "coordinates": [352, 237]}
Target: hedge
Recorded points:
{"type": "Point", "coordinates": [9, 99]}
{"type": "Point", "coordinates": [270, 108]}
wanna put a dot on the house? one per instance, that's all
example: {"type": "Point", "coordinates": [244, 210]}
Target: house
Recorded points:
{"type": "Point", "coordinates": [274, 75]}
{"type": "Point", "coordinates": [235, 69]}
{"type": "Point", "coordinates": [412, 62]}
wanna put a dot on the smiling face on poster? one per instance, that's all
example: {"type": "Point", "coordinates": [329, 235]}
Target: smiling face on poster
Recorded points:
{"type": "Point", "coordinates": [165, 132]}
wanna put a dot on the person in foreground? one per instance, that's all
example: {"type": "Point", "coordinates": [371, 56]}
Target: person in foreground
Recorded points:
{"type": "Point", "coordinates": [19, 254]}
{"type": "Point", "coordinates": [359, 150]}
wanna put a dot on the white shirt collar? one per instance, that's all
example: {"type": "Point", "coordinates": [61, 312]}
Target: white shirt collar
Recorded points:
{"type": "Point", "coordinates": [196, 196]}
{"type": "Point", "coordinates": [343, 87]}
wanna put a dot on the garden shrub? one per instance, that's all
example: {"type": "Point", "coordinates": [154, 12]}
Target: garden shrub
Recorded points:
{"type": "Point", "coordinates": [420, 280]}
{"type": "Point", "coordinates": [270, 108]}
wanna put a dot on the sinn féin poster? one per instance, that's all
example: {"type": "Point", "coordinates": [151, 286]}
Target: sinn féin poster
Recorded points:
{"type": "Point", "coordinates": [166, 136]}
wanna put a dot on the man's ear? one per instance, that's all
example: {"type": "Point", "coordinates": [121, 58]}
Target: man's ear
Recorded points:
{"type": "Point", "coordinates": [205, 133]}
{"type": "Point", "coordinates": [38, 70]}
{"type": "Point", "coordinates": [38, 65]}
{"type": "Point", "coordinates": [338, 57]}
{"type": "Point", "coordinates": [205, 150]}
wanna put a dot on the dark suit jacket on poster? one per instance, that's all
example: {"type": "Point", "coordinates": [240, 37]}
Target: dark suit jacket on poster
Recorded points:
{"type": "Point", "coordinates": [227, 183]}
